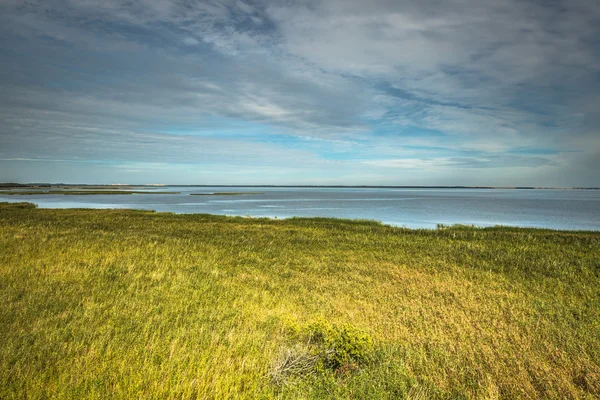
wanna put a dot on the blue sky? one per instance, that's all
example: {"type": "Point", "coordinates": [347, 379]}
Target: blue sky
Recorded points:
{"type": "Point", "coordinates": [379, 92]}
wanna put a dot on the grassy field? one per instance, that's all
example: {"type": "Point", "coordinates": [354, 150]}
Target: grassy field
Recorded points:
{"type": "Point", "coordinates": [134, 304]}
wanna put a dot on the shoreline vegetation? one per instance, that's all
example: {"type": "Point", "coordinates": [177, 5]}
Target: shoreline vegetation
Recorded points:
{"type": "Point", "coordinates": [143, 304]}
{"type": "Point", "coordinates": [113, 192]}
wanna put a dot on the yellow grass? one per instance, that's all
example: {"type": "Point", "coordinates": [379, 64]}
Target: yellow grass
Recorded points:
{"type": "Point", "coordinates": [132, 304]}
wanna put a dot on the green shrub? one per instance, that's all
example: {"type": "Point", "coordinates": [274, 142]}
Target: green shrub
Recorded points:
{"type": "Point", "coordinates": [323, 348]}
{"type": "Point", "coordinates": [342, 348]}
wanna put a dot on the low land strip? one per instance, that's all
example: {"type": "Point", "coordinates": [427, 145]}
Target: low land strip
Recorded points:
{"type": "Point", "coordinates": [224, 193]}
{"type": "Point", "coordinates": [79, 192]}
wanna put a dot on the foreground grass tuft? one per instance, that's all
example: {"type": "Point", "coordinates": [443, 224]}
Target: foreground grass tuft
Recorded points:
{"type": "Point", "coordinates": [136, 304]}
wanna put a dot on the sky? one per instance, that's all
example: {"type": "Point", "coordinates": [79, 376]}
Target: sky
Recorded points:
{"type": "Point", "coordinates": [330, 92]}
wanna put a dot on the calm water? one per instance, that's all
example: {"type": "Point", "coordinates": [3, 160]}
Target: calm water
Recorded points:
{"type": "Point", "coordinates": [413, 208]}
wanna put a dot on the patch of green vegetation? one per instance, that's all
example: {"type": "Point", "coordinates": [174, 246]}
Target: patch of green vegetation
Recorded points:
{"type": "Point", "coordinates": [138, 304]}
{"type": "Point", "coordinates": [224, 193]}
{"type": "Point", "coordinates": [322, 348]}
{"type": "Point", "coordinates": [63, 186]}
{"type": "Point", "coordinates": [20, 205]}
{"type": "Point", "coordinates": [81, 192]}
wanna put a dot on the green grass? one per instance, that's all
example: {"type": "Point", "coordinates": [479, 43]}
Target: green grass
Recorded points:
{"type": "Point", "coordinates": [134, 304]}
{"type": "Point", "coordinates": [81, 192]}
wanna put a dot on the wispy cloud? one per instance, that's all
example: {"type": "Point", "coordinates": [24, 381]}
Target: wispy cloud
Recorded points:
{"type": "Point", "coordinates": [489, 161]}
{"type": "Point", "coordinates": [352, 84]}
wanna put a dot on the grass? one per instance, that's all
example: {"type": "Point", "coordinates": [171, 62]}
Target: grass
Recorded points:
{"type": "Point", "coordinates": [81, 192]}
{"type": "Point", "coordinates": [136, 304]}
{"type": "Point", "coordinates": [224, 193]}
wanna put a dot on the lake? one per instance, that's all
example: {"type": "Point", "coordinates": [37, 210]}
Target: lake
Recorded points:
{"type": "Point", "coordinates": [413, 208]}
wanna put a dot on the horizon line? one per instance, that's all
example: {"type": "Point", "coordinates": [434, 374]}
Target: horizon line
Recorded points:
{"type": "Point", "coordinates": [17, 184]}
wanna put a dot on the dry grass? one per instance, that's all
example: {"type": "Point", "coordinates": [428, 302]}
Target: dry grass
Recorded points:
{"type": "Point", "coordinates": [294, 362]}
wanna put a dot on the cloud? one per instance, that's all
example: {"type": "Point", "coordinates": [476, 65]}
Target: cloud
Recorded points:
{"type": "Point", "coordinates": [488, 161]}
{"type": "Point", "coordinates": [363, 80]}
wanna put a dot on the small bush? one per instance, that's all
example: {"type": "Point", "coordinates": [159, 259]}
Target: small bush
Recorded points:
{"type": "Point", "coordinates": [341, 346]}
{"type": "Point", "coordinates": [340, 349]}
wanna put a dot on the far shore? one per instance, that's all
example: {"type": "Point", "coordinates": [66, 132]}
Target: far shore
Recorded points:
{"type": "Point", "coordinates": [12, 185]}
{"type": "Point", "coordinates": [224, 193]}
{"type": "Point", "coordinates": [80, 192]}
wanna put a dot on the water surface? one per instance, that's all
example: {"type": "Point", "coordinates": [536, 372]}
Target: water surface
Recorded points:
{"type": "Point", "coordinates": [413, 208]}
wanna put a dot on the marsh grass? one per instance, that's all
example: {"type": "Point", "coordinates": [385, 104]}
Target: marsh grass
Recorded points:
{"type": "Point", "coordinates": [137, 304]}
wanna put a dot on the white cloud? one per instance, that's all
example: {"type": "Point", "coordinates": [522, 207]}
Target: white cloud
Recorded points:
{"type": "Point", "coordinates": [190, 41]}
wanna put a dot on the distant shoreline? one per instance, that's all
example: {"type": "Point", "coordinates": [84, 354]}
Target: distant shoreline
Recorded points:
{"type": "Point", "coordinates": [9, 185]}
